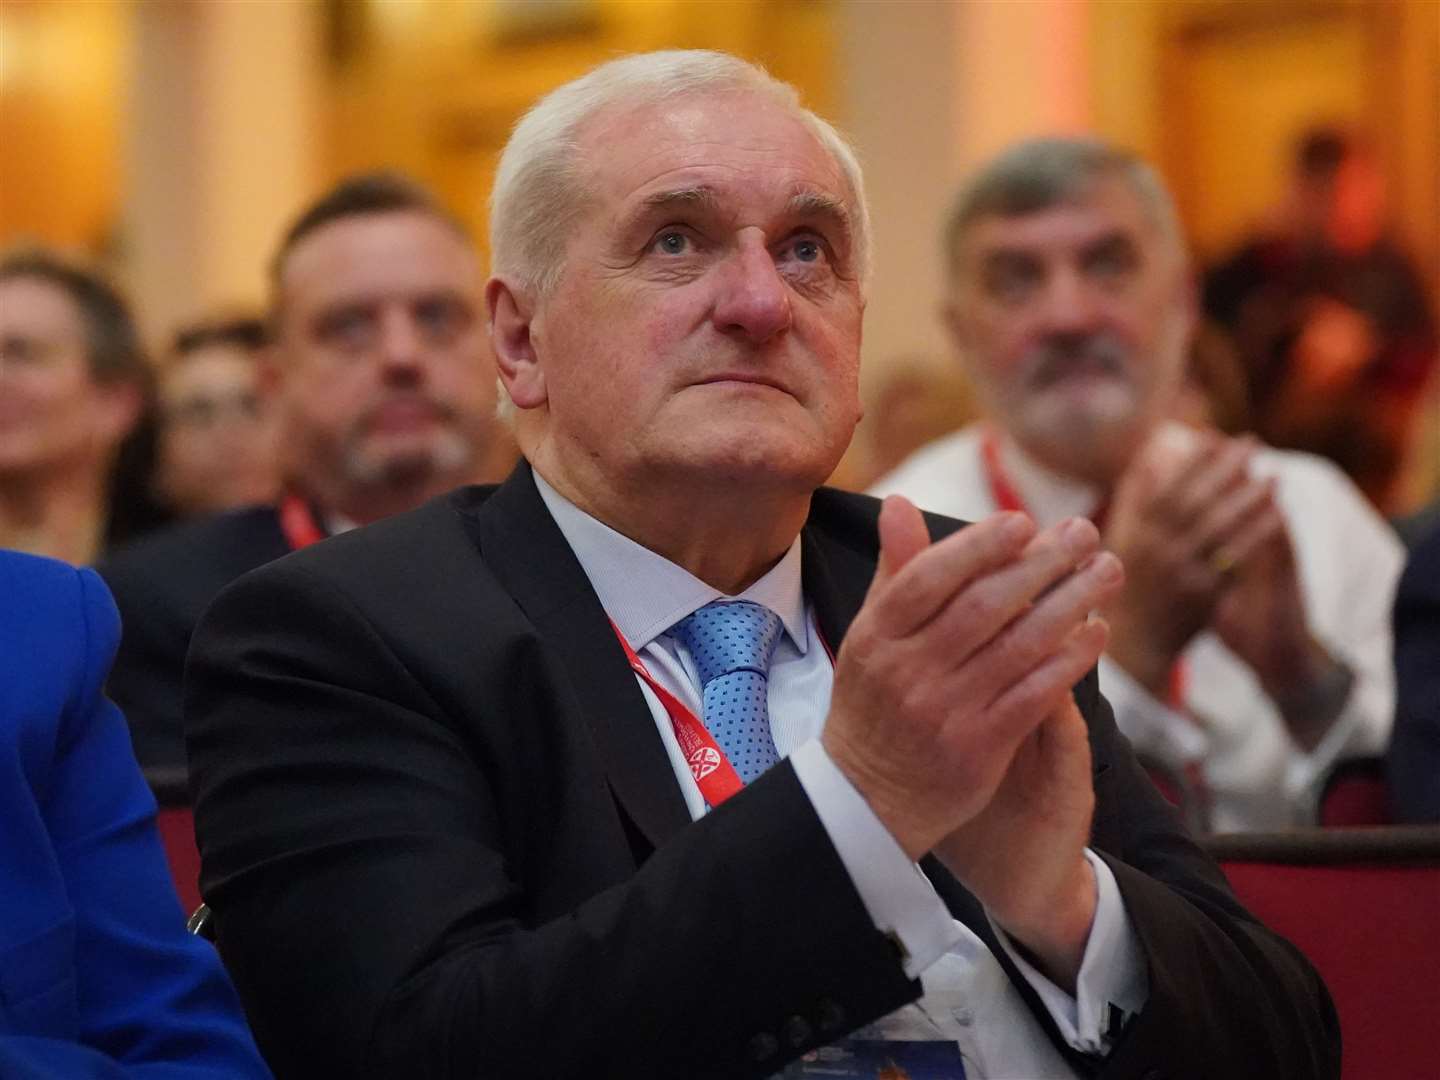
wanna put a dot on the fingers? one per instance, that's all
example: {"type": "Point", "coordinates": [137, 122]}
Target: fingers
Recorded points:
{"type": "Point", "coordinates": [1262, 529]}
{"type": "Point", "coordinates": [1030, 640]}
{"type": "Point", "coordinates": [1058, 577]}
{"type": "Point", "coordinates": [1231, 514]}
{"type": "Point", "coordinates": [1026, 702]}
{"type": "Point", "coordinates": [903, 535]}
{"type": "Point", "coordinates": [1207, 477]}
{"type": "Point", "coordinates": [910, 596]}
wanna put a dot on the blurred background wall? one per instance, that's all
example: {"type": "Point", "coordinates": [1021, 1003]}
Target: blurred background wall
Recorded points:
{"type": "Point", "coordinates": [173, 138]}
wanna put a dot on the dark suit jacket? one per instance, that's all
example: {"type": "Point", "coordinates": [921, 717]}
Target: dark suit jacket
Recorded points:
{"type": "Point", "coordinates": [442, 837]}
{"type": "Point", "coordinates": [98, 978]}
{"type": "Point", "coordinates": [162, 584]}
{"type": "Point", "coordinates": [1413, 760]}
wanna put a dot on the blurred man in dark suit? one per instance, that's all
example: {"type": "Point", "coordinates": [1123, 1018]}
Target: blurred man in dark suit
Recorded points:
{"type": "Point", "coordinates": [385, 398]}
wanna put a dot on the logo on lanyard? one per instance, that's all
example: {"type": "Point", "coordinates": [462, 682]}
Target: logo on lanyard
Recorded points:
{"type": "Point", "coordinates": [703, 762]}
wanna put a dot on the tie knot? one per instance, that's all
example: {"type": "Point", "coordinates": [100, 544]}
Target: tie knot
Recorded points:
{"type": "Point", "coordinates": [729, 636]}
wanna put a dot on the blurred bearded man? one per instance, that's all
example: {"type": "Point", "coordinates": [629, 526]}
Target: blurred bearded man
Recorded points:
{"type": "Point", "coordinates": [1250, 647]}
{"type": "Point", "coordinates": [380, 379]}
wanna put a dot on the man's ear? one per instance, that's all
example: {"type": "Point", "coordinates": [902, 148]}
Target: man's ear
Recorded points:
{"type": "Point", "coordinates": [511, 310]}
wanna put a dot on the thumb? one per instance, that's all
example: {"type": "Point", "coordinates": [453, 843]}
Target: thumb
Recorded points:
{"type": "Point", "coordinates": [903, 535]}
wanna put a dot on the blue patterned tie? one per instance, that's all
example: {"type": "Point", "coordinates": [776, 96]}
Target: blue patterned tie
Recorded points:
{"type": "Point", "coordinates": [731, 643]}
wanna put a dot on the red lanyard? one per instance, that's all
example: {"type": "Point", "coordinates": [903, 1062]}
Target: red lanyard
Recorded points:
{"type": "Point", "coordinates": [1001, 490]}
{"type": "Point", "coordinates": [1007, 498]}
{"type": "Point", "coordinates": [298, 523]}
{"type": "Point", "coordinates": [713, 773]}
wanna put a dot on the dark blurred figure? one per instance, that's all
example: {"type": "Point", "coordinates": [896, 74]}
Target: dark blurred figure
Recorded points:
{"type": "Point", "coordinates": [1413, 761]}
{"type": "Point", "coordinates": [98, 978]}
{"type": "Point", "coordinates": [218, 447]}
{"type": "Point", "coordinates": [384, 398]}
{"type": "Point", "coordinates": [1330, 319]}
{"type": "Point", "coordinates": [73, 381]}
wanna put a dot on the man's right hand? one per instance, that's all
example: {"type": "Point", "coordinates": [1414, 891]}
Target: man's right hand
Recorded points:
{"type": "Point", "coordinates": [961, 649]}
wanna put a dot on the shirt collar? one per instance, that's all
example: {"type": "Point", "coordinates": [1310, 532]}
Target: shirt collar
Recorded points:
{"type": "Point", "coordinates": [645, 593]}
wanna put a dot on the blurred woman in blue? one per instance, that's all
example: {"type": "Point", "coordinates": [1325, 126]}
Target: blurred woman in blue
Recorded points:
{"type": "Point", "coordinates": [98, 978]}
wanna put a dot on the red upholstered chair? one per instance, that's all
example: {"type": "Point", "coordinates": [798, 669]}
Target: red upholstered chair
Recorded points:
{"type": "Point", "coordinates": [176, 823]}
{"type": "Point", "coordinates": [1364, 906]}
{"type": "Point", "coordinates": [1355, 793]}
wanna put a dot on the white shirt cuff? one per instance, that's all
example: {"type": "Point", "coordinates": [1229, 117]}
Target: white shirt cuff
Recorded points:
{"type": "Point", "coordinates": [898, 897]}
{"type": "Point", "coordinates": [1114, 981]}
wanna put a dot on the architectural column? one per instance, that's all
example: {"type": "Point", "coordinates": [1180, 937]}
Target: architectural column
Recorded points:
{"type": "Point", "coordinates": [220, 149]}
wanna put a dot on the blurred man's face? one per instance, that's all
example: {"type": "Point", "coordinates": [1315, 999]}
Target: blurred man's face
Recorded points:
{"type": "Point", "coordinates": [217, 437]}
{"type": "Point", "coordinates": [707, 323]}
{"type": "Point", "coordinates": [53, 413]}
{"type": "Point", "coordinates": [384, 381]}
{"type": "Point", "coordinates": [1073, 321]}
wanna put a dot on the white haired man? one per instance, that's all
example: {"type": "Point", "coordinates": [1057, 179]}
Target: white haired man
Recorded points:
{"type": "Point", "coordinates": [1250, 648]}
{"type": "Point", "coordinates": [563, 779]}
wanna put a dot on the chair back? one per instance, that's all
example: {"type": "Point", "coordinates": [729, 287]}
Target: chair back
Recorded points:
{"type": "Point", "coordinates": [176, 823]}
{"type": "Point", "coordinates": [1364, 906]}
{"type": "Point", "coordinates": [1355, 793]}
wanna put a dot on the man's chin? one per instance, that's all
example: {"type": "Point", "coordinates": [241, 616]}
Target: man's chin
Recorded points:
{"type": "Point", "coordinates": [403, 463]}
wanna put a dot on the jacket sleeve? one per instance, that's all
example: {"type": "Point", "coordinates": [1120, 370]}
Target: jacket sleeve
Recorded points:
{"type": "Point", "coordinates": [1413, 760]}
{"type": "Point", "coordinates": [151, 1000]}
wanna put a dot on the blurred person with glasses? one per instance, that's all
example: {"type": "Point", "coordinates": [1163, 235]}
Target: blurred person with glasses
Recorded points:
{"type": "Point", "coordinates": [218, 438]}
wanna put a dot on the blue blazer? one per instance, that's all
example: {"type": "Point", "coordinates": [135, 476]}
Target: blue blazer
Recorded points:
{"type": "Point", "coordinates": [98, 977]}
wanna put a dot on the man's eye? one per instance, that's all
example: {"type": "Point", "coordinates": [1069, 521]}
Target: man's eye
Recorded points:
{"type": "Point", "coordinates": [671, 242]}
{"type": "Point", "coordinates": [1011, 280]}
{"type": "Point", "coordinates": [442, 318]}
{"type": "Point", "coordinates": [808, 250]}
{"type": "Point", "coordinates": [349, 329]}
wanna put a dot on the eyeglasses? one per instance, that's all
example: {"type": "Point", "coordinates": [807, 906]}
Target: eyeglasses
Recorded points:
{"type": "Point", "coordinates": [208, 412]}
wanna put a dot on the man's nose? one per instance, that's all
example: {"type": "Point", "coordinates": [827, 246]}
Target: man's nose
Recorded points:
{"type": "Point", "coordinates": [401, 344]}
{"type": "Point", "coordinates": [1070, 304]}
{"type": "Point", "coordinates": [753, 299]}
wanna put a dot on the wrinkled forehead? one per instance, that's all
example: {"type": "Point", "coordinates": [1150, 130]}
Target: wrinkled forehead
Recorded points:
{"type": "Point", "coordinates": [630, 148]}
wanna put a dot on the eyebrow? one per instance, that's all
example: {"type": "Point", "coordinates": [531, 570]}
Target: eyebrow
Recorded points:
{"type": "Point", "coordinates": [816, 205]}
{"type": "Point", "coordinates": [804, 203]}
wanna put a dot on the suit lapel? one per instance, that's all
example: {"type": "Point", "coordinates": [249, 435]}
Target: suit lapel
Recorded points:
{"type": "Point", "coordinates": [529, 555]}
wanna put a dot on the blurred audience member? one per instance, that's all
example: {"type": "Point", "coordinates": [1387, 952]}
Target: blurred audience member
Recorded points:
{"type": "Point", "coordinates": [98, 977]}
{"type": "Point", "coordinates": [1250, 648]}
{"type": "Point", "coordinates": [917, 401]}
{"type": "Point", "coordinates": [1413, 761]}
{"type": "Point", "coordinates": [1330, 318]}
{"type": "Point", "coordinates": [217, 428]}
{"type": "Point", "coordinates": [72, 386]}
{"type": "Point", "coordinates": [384, 398]}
